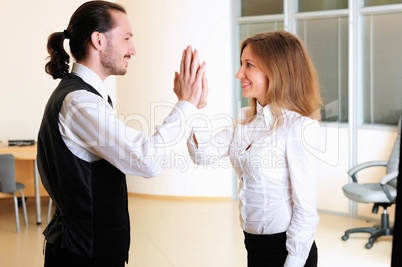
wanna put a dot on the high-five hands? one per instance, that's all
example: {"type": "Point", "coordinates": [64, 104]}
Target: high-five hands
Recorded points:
{"type": "Point", "coordinates": [204, 93]}
{"type": "Point", "coordinates": [191, 83]}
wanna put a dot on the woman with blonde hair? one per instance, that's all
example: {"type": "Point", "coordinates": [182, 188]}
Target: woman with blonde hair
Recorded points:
{"type": "Point", "coordinates": [269, 147]}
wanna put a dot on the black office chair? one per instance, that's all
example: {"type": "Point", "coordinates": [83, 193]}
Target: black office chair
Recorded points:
{"type": "Point", "coordinates": [8, 185]}
{"type": "Point", "coordinates": [381, 194]}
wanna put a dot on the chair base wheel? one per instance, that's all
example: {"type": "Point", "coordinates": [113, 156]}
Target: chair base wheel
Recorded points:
{"type": "Point", "coordinates": [369, 245]}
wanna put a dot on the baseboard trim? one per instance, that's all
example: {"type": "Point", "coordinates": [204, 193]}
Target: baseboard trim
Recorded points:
{"type": "Point", "coordinates": [331, 212]}
{"type": "Point", "coordinates": [180, 198]}
{"type": "Point", "coordinates": [359, 217]}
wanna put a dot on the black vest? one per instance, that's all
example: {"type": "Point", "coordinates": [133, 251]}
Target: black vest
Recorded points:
{"type": "Point", "coordinates": [91, 217]}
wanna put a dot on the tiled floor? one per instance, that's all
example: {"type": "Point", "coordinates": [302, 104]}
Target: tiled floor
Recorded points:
{"type": "Point", "coordinates": [168, 233]}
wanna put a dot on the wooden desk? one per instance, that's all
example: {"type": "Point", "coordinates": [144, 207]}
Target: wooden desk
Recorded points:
{"type": "Point", "coordinates": [26, 172]}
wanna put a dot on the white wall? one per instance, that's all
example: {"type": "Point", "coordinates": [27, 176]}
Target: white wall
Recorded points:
{"type": "Point", "coordinates": [162, 29]}
{"type": "Point", "coordinates": [25, 87]}
{"type": "Point", "coordinates": [332, 167]}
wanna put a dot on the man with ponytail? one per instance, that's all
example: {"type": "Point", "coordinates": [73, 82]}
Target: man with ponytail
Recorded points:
{"type": "Point", "coordinates": [84, 151]}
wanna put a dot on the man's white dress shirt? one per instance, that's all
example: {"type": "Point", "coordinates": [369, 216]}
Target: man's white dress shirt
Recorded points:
{"type": "Point", "coordinates": [277, 174]}
{"type": "Point", "coordinates": [91, 130]}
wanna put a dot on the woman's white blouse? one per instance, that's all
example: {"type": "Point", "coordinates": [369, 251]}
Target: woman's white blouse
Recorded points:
{"type": "Point", "coordinates": [277, 174]}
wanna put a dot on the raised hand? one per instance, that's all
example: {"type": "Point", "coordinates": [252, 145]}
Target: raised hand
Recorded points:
{"type": "Point", "coordinates": [188, 84]}
{"type": "Point", "coordinates": [204, 93]}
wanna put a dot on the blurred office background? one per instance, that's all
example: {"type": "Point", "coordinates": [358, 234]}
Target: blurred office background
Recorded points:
{"type": "Point", "coordinates": [355, 46]}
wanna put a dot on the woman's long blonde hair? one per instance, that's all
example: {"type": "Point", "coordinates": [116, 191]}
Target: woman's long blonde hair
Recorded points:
{"type": "Point", "coordinates": [293, 83]}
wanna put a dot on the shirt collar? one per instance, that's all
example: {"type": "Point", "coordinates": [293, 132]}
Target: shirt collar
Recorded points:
{"type": "Point", "coordinates": [266, 114]}
{"type": "Point", "coordinates": [91, 78]}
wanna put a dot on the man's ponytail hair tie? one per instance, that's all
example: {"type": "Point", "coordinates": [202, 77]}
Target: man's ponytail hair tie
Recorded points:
{"type": "Point", "coordinates": [67, 34]}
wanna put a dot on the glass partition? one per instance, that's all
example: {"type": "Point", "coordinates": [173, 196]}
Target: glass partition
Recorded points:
{"type": "Point", "coordinates": [382, 65]}
{"type": "Point", "coordinates": [326, 40]}
{"type": "Point", "coordinates": [261, 7]}
{"type": "Point", "coordinates": [380, 2]}
{"type": "Point", "coordinates": [320, 5]}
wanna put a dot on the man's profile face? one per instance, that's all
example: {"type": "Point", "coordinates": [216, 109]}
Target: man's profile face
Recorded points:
{"type": "Point", "coordinates": [120, 47]}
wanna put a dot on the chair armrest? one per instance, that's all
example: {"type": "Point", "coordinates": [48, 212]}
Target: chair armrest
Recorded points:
{"type": "Point", "coordinates": [365, 165]}
{"type": "Point", "coordinates": [389, 177]}
{"type": "Point", "coordinates": [383, 182]}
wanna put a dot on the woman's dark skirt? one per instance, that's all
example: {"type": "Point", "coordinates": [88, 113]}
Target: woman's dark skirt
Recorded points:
{"type": "Point", "coordinates": [270, 250]}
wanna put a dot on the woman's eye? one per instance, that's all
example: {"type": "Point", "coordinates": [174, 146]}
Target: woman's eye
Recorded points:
{"type": "Point", "coordinates": [249, 65]}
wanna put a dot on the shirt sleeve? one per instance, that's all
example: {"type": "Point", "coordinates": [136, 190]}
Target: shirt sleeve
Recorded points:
{"type": "Point", "coordinates": [90, 126]}
{"type": "Point", "coordinates": [302, 137]}
{"type": "Point", "coordinates": [205, 146]}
